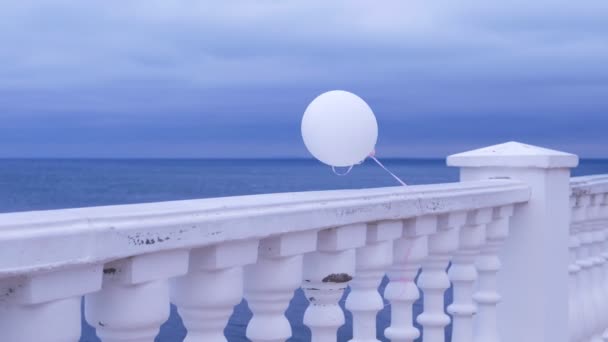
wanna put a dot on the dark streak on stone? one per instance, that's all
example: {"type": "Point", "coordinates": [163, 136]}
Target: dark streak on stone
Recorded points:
{"type": "Point", "coordinates": [110, 270]}
{"type": "Point", "coordinates": [337, 278]}
{"type": "Point", "coordinates": [101, 324]}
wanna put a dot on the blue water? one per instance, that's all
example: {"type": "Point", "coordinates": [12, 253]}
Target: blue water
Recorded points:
{"type": "Point", "coordinates": [50, 184]}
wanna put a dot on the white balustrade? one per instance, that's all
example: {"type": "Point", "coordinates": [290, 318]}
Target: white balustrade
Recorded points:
{"type": "Point", "coordinates": [521, 255]}
{"type": "Point", "coordinates": [589, 276]}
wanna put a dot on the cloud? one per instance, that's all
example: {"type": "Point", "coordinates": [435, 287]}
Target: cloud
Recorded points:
{"type": "Point", "coordinates": [70, 43]}
{"type": "Point", "coordinates": [222, 64]}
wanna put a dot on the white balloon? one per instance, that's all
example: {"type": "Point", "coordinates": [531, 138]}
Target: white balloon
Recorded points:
{"type": "Point", "coordinates": [339, 128]}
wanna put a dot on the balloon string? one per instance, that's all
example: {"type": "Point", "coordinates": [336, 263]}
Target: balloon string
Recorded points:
{"type": "Point", "coordinates": [387, 170]}
{"type": "Point", "coordinates": [333, 168]}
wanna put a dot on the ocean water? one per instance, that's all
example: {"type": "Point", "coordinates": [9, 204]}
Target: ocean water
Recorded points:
{"type": "Point", "coordinates": [41, 184]}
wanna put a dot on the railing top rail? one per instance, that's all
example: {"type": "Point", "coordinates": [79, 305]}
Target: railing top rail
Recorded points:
{"type": "Point", "coordinates": [589, 185]}
{"type": "Point", "coordinates": [43, 240]}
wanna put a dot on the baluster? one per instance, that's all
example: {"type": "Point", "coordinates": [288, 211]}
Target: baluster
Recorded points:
{"type": "Point", "coordinates": [408, 253]}
{"type": "Point", "coordinates": [46, 307]}
{"type": "Point", "coordinates": [134, 299]}
{"type": "Point", "coordinates": [597, 283]}
{"type": "Point", "coordinates": [576, 313]}
{"type": "Point", "coordinates": [327, 273]}
{"type": "Point", "coordinates": [585, 263]}
{"type": "Point", "coordinates": [585, 283]}
{"type": "Point", "coordinates": [593, 263]}
{"type": "Point", "coordinates": [574, 299]}
{"type": "Point", "coordinates": [434, 280]}
{"type": "Point", "coordinates": [578, 216]}
{"type": "Point", "coordinates": [598, 236]}
{"type": "Point", "coordinates": [463, 274]}
{"type": "Point", "coordinates": [206, 296]}
{"type": "Point", "coordinates": [603, 216]}
{"type": "Point", "coordinates": [373, 259]}
{"type": "Point", "coordinates": [597, 276]}
{"type": "Point", "coordinates": [488, 266]}
{"type": "Point", "coordinates": [271, 282]}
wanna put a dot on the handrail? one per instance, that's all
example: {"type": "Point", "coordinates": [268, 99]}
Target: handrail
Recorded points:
{"type": "Point", "coordinates": [112, 232]}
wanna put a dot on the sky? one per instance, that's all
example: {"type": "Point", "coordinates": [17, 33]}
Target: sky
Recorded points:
{"type": "Point", "coordinates": [187, 78]}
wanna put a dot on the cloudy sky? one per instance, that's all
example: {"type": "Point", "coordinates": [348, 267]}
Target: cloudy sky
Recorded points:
{"type": "Point", "coordinates": [186, 78]}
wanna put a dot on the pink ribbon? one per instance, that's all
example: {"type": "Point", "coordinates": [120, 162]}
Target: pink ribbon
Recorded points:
{"type": "Point", "coordinates": [373, 156]}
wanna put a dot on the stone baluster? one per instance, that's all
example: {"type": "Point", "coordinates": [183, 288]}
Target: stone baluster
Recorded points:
{"type": "Point", "coordinates": [206, 296]}
{"type": "Point", "coordinates": [603, 222]}
{"type": "Point", "coordinates": [271, 282]}
{"type": "Point", "coordinates": [576, 319]}
{"type": "Point", "coordinates": [134, 299]}
{"type": "Point", "coordinates": [577, 217]}
{"type": "Point", "coordinates": [488, 266]}
{"type": "Point", "coordinates": [45, 307]}
{"type": "Point", "coordinates": [373, 260]}
{"type": "Point", "coordinates": [433, 279]}
{"type": "Point", "coordinates": [585, 262]}
{"type": "Point", "coordinates": [599, 276]}
{"type": "Point", "coordinates": [597, 271]}
{"type": "Point", "coordinates": [408, 254]}
{"type": "Point", "coordinates": [327, 273]}
{"type": "Point", "coordinates": [463, 273]}
{"type": "Point", "coordinates": [574, 297]}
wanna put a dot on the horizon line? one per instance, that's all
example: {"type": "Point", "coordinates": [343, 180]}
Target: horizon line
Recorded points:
{"type": "Point", "coordinates": [231, 158]}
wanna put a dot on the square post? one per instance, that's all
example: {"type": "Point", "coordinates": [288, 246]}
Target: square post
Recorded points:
{"type": "Point", "coordinates": [533, 281]}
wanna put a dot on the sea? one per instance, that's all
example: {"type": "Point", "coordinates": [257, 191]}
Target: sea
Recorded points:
{"type": "Point", "coordinates": [44, 184]}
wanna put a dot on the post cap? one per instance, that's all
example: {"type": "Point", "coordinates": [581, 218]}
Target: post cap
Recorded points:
{"type": "Point", "coordinates": [514, 154]}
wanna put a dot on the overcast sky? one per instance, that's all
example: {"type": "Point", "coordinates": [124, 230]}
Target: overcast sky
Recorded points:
{"type": "Point", "coordinates": [185, 78]}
